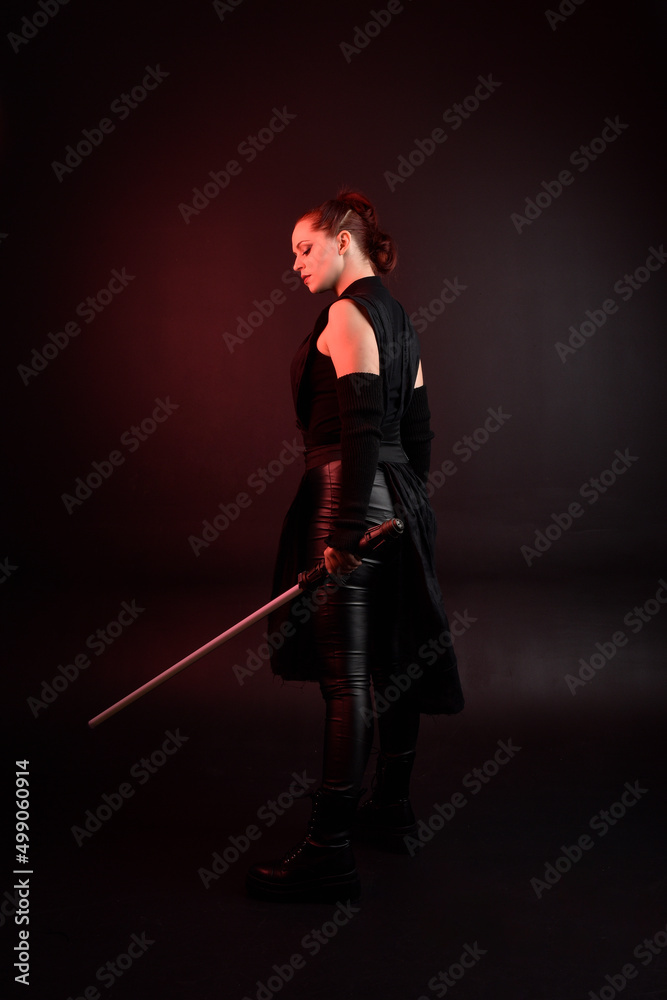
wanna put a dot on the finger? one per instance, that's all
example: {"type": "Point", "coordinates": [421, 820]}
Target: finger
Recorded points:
{"type": "Point", "coordinates": [334, 569]}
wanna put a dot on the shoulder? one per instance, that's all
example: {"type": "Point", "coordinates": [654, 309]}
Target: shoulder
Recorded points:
{"type": "Point", "coordinates": [347, 317]}
{"type": "Point", "coordinates": [349, 339]}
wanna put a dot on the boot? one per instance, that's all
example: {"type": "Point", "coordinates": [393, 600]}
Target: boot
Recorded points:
{"type": "Point", "coordinates": [387, 817]}
{"type": "Point", "coordinates": [321, 868]}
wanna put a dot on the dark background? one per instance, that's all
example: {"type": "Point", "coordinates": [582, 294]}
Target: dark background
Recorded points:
{"type": "Point", "coordinates": [67, 573]}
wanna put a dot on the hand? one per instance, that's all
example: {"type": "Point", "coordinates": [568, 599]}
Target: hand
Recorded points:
{"type": "Point", "coordinates": [339, 563]}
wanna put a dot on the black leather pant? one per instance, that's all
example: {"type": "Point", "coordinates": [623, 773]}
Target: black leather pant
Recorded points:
{"type": "Point", "coordinates": [356, 643]}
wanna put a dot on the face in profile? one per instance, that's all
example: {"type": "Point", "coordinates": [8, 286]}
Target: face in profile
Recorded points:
{"type": "Point", "coordinates": [316, 258]}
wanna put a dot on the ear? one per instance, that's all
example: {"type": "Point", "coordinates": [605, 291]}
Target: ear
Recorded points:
{"type": "Point", "coordinates": [344, 241]}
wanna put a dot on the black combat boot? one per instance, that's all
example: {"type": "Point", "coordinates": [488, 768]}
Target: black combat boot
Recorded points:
{"type": "Point", "coordinates": [387, 817]}
{"type": "Point", "coordinates": [321, 868]}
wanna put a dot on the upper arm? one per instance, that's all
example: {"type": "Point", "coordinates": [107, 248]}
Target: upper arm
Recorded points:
{"type": "Point", "coordinates": [420, 377]}
{"type": "Point", "coordinates": [350, 339]}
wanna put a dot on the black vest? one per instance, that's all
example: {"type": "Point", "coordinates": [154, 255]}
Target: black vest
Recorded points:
{"type": "Point", "coordinates": [313, 374]}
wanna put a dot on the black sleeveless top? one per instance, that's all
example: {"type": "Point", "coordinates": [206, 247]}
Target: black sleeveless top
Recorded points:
{"type": "Point", "coordinates": [314, 377]}
{"type": "Point", "coordinates": [324, 420]}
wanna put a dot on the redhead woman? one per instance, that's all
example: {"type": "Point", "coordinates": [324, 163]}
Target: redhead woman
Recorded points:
{"type": "Point", "coordinates": [375, 637]}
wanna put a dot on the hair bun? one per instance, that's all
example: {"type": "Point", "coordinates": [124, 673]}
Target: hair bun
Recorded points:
{"type": "Point", "coordinates": [334, 215]}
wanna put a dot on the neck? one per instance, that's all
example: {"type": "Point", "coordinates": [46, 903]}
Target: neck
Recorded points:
{"type": "Point", "coordinates": [348, 275]}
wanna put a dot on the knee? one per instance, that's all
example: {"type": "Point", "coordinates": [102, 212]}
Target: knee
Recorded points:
{"type": "Point", "coordinates": [345, 680]}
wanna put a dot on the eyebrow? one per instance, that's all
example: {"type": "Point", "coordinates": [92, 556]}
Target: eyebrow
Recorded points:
{"type": "Point", "coordinates": [299, 244]}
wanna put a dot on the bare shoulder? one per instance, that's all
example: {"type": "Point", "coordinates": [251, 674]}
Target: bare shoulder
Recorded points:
{"type": "Point", "coordinates": [349, 339]}
{"type": "Point", "coordinates": [347, 323]}
{"type": "Point", "coordinates": [347, 315]}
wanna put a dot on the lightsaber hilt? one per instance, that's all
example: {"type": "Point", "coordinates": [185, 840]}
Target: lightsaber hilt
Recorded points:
{"type": "Point", "coordinates": [371, 540]}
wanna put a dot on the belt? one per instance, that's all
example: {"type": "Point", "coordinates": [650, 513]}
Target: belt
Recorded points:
{"type": "Point", "coordinates": [390, 451]}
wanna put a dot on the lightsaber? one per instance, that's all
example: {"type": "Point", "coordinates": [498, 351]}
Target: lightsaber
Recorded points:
{"type": "Point", "coordinates": [308, 580]}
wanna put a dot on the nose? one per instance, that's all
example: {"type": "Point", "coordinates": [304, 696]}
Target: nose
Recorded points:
{"type": "Point", "coordinates": [297, 265]}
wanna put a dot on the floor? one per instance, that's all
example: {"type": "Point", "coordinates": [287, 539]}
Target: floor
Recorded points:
{"type": "Point", "coordinates": [539, 870]}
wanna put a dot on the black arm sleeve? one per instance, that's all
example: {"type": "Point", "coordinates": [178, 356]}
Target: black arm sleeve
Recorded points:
{"type": "Point", "coordinates": [416, 433]}
{"type": "Point", "coordinates": [361, 406]}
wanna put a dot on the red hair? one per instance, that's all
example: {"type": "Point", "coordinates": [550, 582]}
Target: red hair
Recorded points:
{"type": "Point", "coordinates": [353, 211]}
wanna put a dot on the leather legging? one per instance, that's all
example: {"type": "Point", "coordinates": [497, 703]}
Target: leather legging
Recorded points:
{"type": "Point", "coordinates": [356, 642]}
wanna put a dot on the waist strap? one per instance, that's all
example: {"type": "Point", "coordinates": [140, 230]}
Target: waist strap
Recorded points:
{"type": "Point", "coordinates": [390, 451]}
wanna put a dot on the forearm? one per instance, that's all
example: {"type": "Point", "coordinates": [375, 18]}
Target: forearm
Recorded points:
{"type": "Point", "coordinates": [416, 433]}
{"type": "Point", "coordinates": [361, 407]}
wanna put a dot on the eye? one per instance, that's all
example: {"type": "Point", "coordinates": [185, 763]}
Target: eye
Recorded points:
{"type": "Point", "coordinates": [303, 253]}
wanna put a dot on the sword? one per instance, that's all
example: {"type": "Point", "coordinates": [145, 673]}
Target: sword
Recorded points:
{"type": "Point", "coordinates": [307, 580]}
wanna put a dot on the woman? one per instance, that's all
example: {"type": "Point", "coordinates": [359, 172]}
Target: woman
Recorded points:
{"type": "Point", "coordinates": [362, 408]}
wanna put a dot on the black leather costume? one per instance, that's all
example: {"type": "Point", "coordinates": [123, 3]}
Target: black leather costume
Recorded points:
{"type": "Point", "coordinates": [367, 441]}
